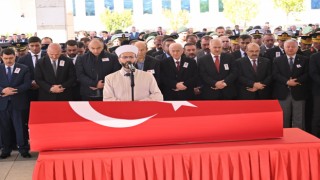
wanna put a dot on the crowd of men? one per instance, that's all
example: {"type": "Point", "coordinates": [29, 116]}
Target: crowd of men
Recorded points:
{"type": "Point", "coordinates": [221, 65]}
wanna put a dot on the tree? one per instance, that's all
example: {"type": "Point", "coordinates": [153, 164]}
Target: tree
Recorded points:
{"type": "Point", "coordinates": [176, 20]}
{"type": "Point", "coordinates": [240, 11]}
{"type": "Point", "coordinates": [289, 6]}
{"type": "Point", "coordinates": [116, 20]}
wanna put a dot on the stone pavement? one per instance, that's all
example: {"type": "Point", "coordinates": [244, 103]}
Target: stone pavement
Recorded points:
{"type": "Point", "coordinates": [16, 167]}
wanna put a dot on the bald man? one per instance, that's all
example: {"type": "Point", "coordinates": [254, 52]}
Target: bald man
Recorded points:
{"type": "Point", "coordinates": [218, 73]}
{"type": "Point", "coordinates": [145, 62]}
{"type": "Point", "coordinates": [179, 75]}
{"type": "Point", "coordinates": [92, 67]}
{"type": "Point", "coordinates": [255, 75]}
{"type": "Point", "coordinates": [55, 74]}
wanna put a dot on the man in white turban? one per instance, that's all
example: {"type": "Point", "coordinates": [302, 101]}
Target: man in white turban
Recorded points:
{"type": "Point", "coordinates": [118, 85]}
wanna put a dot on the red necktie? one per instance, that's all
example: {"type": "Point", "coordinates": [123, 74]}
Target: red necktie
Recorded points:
{"type": "Point", "coordinates": [217, 62]}
{"type": "Point", "coordinates": [254, 65]}
{"type": "Point", "coordinates": [178, 65]}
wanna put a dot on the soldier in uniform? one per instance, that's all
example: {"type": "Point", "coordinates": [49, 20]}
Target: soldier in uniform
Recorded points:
{"type": "Point", "coordinates": [234, 45]}
{"type": "Point", "coordinates": [20, 49]}
{"type": "Point", "coordinates": [257, 36]}
{"type": "Point", "coordinates": [305, 45]}
{"type": "Point", "coordinates": [315, 42]}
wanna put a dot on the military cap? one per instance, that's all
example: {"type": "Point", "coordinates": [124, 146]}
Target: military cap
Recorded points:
{"type": "Point", "coordinates": [306, 39]}
{"type": "Point", "coordinates": [307, 30]}
{"type": "Point", "coordinates": [150, 38]}
{"type": "Point", "coordinates": [234, 39]}
{"type": "Point", "coordinates": [256, 32]}
{"type": "Point", "coordinates": [172, 35]}
{"type": "Point", "coordinates": [5, 45]}
{"type": "Point", "coordinates": [284, 35]}
{"type": "Point", "coordinates": [316, 37]}
{"type": "Point", "coordinates": [20, 46]}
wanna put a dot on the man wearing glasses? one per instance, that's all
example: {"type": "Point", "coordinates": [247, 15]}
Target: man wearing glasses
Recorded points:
{"type": "Point", "coordinates": [118, 85]}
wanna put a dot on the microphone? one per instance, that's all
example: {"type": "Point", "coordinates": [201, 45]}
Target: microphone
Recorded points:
{"type": "Point", "coordinates": [131, 67]}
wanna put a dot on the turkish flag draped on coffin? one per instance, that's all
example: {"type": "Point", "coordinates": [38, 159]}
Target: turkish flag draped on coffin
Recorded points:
{"type": "Point", "coordinates": [86, 125]}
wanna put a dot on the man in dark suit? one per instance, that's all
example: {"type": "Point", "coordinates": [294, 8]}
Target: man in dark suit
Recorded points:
{"type": "Point", "coordinates": [92, 67]}
{"type": "Point", "coordinates": [147, 63]}
{"type": "Point", "coordinates": [179, 75]}
{"type": "Point", "coordinates": [157, 46]}
{"type": "Point", "coordinates": [255, 75]}
{"type": "Point", "coordinates": [244, 40]}
{"type": "Point", "coordinates": [204, 41]}
{"type": "Point", "coordinates": [278, 50]}
{"type": "Point", "coordinates": [165, 47]}
{"type": "Point", "coordinates": [55, 74]}
{"type": "Point", "coordinates": [314, 73]}
{"type": "Point", "coordinates": [218, 73]}
{"type": "Point", "coordinates": [14, 103]}
{"type": "Point", "coordinates": [290, 74]}
{"type": "Point", "coordinates": [268, 43]}
{"type": "Point", "coordinates": [31, 60]}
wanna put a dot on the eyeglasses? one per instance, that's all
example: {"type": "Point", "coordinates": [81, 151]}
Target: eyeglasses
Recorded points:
{"type": "Point", "coordinates": [127, 57]}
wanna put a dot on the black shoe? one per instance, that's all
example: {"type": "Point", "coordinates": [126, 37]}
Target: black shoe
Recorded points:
{"type": "Point", "coordinates": [5, 155]}
{"type": "Point", "coordinates": [26, 155]}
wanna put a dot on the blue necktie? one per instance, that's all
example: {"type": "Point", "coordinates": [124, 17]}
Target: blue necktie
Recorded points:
{"type": "Point", "coordinates": [9, 74]}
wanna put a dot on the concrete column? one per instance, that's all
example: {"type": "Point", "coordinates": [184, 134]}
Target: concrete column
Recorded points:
{"type": "Point", "coordinates": [55, 19]}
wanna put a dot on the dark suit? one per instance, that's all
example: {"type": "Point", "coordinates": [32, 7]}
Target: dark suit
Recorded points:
{"type": "Point", "coordinates": [236, 54]}
{"type": "Point", "coordinates": [291, 97]}
{"type": "Point", "coordinates": [91, 69]}
{"type": "Point", "coordinates": [162, 57]}
{"type": "Point", "coordinates": [170, 76]}
{"type": "Point", "coordinates": [27, 60]}
{"type": "Point", "coordinates": [150, 52]}
{"type": "Point", "coordinates": [45, 78]}
{"type": "Point", "coordinates": [152, 65]}
{"type": "Point", "coordinates": [247, 77]}
{"type": "Point", "coordinates": [14, 109]}
{"type": "Point", "coordinates": [273, 53]}
{"type": "Point", "coordinates": [209, 76]}
{"type": "Point", "coordinates": [134, 36]}
{"type": "Point", "coordinates": [314, 73]}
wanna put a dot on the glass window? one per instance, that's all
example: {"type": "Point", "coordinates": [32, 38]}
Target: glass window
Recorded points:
{"type": "Point", "coordinates": [204, 5]}
{"type": "Point", "coordinates": [74, 7]}
{"type": "Point", "coordinates": [147, 6]}
{"type": "Point", "coordinates": [109, 4]}
{"type": "Point", "coordinates": [166, 4]}
{"type": "Point", "coordinates": [315, 4]}
{"type": "Point", "coordinates": [90, 9]}
{"type": "Point", "coordinates": [128, 4]}
{"type": "Point", "coordinates": [221, 6]}
{"type": "Point", "coordinates": [185, 5]}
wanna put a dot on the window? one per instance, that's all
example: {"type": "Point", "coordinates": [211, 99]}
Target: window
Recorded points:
{"type": "Point", "coordinates": [315, 4]}
{"type": "Point", "coordinates": [185, 5]}
{"type": "Point", "coordinates": [90, 9]}
{"type": "Point", "coordinates": [128, 4]}
{"type": "Point", "coordinates": [109, 4]}
{"type": "Point", "coordinates": [166, 4]}
{"type": "Point", "coordinates": [147, 6]}
{"type": "Point", "coordinates": [74, 7]}
{"type": "Point", "coordinates": [204, 6]}
{"type": "Point", "coordinates": [221, 6]}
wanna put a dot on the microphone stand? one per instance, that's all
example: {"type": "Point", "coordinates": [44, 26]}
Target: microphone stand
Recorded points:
{"type": "Point", "coordinates": [132, 84]}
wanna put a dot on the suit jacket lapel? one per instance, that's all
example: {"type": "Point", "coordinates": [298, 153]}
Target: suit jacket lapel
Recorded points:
{"type": "Point", "coordinates": [48, 64]}
{"type": "Point", "coordinates": [146, 64]}
{"type": "Point", "coordinates": [173, 65]}
{"type": "Point", "coordinates": [249, 64]}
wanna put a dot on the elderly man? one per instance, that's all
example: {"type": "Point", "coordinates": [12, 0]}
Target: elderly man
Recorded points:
{"type": "Point", "coordinates": [55, 74]}
{"type": "Point", "coordinates": [290, 74]}
{"type": "Point", "coordinates": [145, 62]}
{"type": "Point", "coordinates": [179, 75]}
{"type": "Point", "coordinates": [92, 67]}
{"type": "Point", "coordinates": [118, 85]}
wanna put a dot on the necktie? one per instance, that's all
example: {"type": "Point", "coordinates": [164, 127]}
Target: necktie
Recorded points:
{"type": "Point", "coordinates": [244, 54]}
{"type": "Point", "coordinates": [9, 74]}
{"type": "Point", "coordinates": [37, 58]}
{"type": "Point", "coordinates": [254, 65]}
{"type": "Point", "coordinates": [217, 62]}
{"type": "Point", "coordinates": [178, 65]}
{"type": "Point", "coordinates": [291, 63]}
{"type": "Point", "coordinates": [54, 65]}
